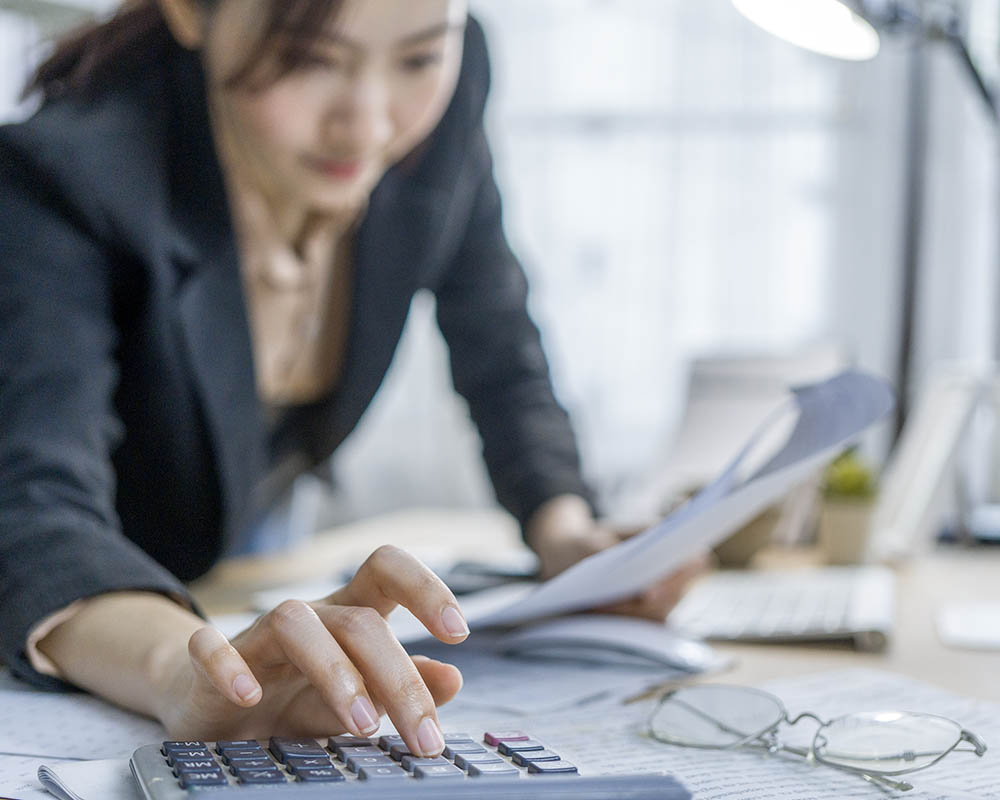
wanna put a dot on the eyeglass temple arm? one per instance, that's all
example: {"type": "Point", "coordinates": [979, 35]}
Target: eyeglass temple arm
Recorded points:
{"type": "Point", "coordinates": [899, 786]}
{"type": "Point", "coordinates": [975, 741]}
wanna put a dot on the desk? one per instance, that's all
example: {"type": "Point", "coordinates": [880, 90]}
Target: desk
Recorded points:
{"type": "Point", "coordinates": [923, 586]}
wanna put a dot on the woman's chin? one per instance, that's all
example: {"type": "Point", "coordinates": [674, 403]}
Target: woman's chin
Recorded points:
{"type": "Point", "coordinates": [343, 202]}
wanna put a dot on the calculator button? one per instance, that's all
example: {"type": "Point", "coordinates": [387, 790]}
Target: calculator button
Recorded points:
{"type": "Point", "coordinates": [295, 763]}
{"type": "Point", "coordinates": [242, 765]}
{"type": "Point", "coordinates": [354, 763]}
{"type": "Point", "coordinates": [509, 748]}
{"type": "Point", "coordinates": [206, 778]}
{"type": "Point", "coordinates": [456, 737]}
{"type": "Point", "coordinates": [463, 746]}
{"type": "Point", "coordinates": [323, 775]}
{"type": "Point", "coordinates": [525, 758]}
{"type": "Point", "coordinates": [463, 760]}
{"type": "Point", "coordinates": [551, 767]}
{"type": "Point", "coordinates": [282, 747]}
{"type": "Point", "coordinates": [168, 747]}
{"type": "Point", "coordinates": [271, 775]}
{"type": "Point", "coordinates": [410, 762]}
{"type": "Point", "coordinates": [236, 744]}
{"type": "Point", "coordinates": [350, 741]}
{"type": "Point", "coordinates": [345, 753]}
{"type": "Point", "coordinates": [445, 770]}
{"type": "Point", "coordinates": [388, 740]}
{"type": "Point", "coordinates": [174, 756]}
{"type": "Point", "coordinates": [398, 750]}
{"type": "Point", "coordinates": [231, 755]}
{"type": "Point", "coordinates": [494, 739]}
{"type": "Point", "coordinates": [499, 769]}
{"type": "Point", "coordinates": [382, 773]}
{"type": "Point", "coordinates": [194, 764]}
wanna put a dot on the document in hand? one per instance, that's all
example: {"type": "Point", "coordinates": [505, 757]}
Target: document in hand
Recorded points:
{"type": "Point", "coordinates": [827, 417]}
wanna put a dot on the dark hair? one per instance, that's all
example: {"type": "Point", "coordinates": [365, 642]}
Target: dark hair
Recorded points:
{"type": "Point", "coordinates": [89, 57]}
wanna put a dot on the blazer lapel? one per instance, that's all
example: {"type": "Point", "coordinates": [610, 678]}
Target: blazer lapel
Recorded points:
{"type": "Point", "coordinates": [211, 314]}
{"type": "Point", "coordinates": [392, 247]}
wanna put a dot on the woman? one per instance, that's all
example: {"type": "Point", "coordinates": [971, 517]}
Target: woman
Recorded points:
{"type": "Point", "coordinates": [210, 234]}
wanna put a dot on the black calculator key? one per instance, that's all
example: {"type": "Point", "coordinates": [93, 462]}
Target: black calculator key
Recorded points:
{"type": "Point", "coordinates": [444, 770]}
{"type": "Point", "coordinates": [195, 765]}
{"type": "Point", "coordinates": [498, 768]}
{"type": "Point", "coordinates": [409, 763]}
{"type": "Point", "coordinates": [205, 778]}
{"type": "Point", "coordinates": [509, 748]}
{"type": "Point", "coordinates": [463, 746]}
{"type": "Point", "coordinates": [522, 759]}
{"type": "Point", "coordinates": [269, 775]}
{"type": "Point", "coordinates": [168, 747]}
{"type": "Point", "coordinates": [398, 750]}
{"type": "Point", "coordinates": [351, 741]}
{"type": "Point", "coordinates": [322, 775]}
{"type": "Point", "coordinates": [236, 744]}
{"type": "Point", "coordinates": [241, 754]}
{"type": "Point", "coordinates": [242, 765]}
{"type": "Point", "coordinates": [295, 763]}
{"type": "Point", "coordinates": [355, 763]}
{"type": "Point", "coordinates": [282, 747]}
{"type": "Point", "coordinates": [345, 753]}
{"type": "Point", "coordinates": [392, 772]}
{"type": "Point", "coordinates": [551, 767]}
{"type": "Point", "coordinates": [174, 756]}
{"type": "Point", "coordinates": [388, 740]}
{"type": "Point", "coordinates": [463, 760]}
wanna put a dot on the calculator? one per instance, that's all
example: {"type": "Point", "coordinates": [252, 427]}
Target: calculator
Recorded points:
{"type": "Point", "coordinates": [500, 765]}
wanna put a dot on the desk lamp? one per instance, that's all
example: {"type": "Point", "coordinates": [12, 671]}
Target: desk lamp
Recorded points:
{"type": "Point", "coordinates": [849, 29]}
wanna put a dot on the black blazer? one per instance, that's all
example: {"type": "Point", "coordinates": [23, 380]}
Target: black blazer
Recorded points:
{"type": "Point", "coordinates": [131, 433]}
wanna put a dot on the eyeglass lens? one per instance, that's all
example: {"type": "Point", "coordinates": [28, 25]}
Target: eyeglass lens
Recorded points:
{"type": "Point", "coordinates": [715, 716]}
{"type": "Point", "coordinates": [885, 741]}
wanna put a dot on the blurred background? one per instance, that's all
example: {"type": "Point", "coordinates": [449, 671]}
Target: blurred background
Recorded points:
{"type": "Point", "coordinates": [681, 186]}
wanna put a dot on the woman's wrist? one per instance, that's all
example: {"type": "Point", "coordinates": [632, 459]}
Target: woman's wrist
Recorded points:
{"type": "Point", "coordinates": [563, 531]}
{"type": "Point", "coordinates": [127, 646]}
{"type": "Point", "coordinates": [563, 516]}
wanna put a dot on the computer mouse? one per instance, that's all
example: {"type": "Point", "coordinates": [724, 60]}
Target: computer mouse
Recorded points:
{"type": "Point", "coordinates": [611, 639]}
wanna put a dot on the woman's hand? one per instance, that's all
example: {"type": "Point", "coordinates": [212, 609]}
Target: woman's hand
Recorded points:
{"type": "Point", "coordinates": [325, 667]}
{"type": "Point", "coordinates": [563, 531]}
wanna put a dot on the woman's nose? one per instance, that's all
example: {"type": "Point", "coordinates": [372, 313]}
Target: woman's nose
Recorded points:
{"type": "Point", "coordinates": [361, 119]}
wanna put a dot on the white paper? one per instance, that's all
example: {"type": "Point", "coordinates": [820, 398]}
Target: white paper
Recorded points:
{"type": "Point", "coordinates": [64, 725]}
{"type": "Point", "coordinates": [603, 739]}
{"type": "Point", "coordinates": [107, 779]}
{"type": "Point", "coordinates": [830, 416]}
{"type": "Point", "coordinates": [19, 777]}
{"type": "Point", "coordinates": [823, 418]}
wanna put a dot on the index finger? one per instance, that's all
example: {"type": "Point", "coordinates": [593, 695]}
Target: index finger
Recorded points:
{"type": "Point", "coordinates": [390, 577]}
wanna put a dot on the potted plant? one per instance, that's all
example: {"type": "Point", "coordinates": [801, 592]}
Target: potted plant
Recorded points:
{"type": "Point", "coordinates": [849, 487]}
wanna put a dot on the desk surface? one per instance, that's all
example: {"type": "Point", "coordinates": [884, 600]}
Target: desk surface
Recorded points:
{"type": "Point", "coordinates": [924, 585]}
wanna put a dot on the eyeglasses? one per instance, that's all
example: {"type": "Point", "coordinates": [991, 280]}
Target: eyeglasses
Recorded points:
{"type": "Point", "coordinates": [871, 744]}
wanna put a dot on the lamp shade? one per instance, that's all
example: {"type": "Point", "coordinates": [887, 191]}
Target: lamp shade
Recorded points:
{"type": "Point", "coordinates": [824, 26]}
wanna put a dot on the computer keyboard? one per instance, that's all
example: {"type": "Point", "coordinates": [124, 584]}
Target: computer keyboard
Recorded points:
{"type": "Point", "coordinates": [826, 603]}
{"type": "Point", "coordinates": [504, 765]}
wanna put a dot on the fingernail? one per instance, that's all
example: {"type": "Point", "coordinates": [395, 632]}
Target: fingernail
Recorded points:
{"type": "Point", "coordinates": [454, 622]}
{"type": "Point", "coordinates": [429, 737]}
{"type": "Point", "coordinates": [246, 687]}
{"type": "Point", "coordinates": [363, 714]}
